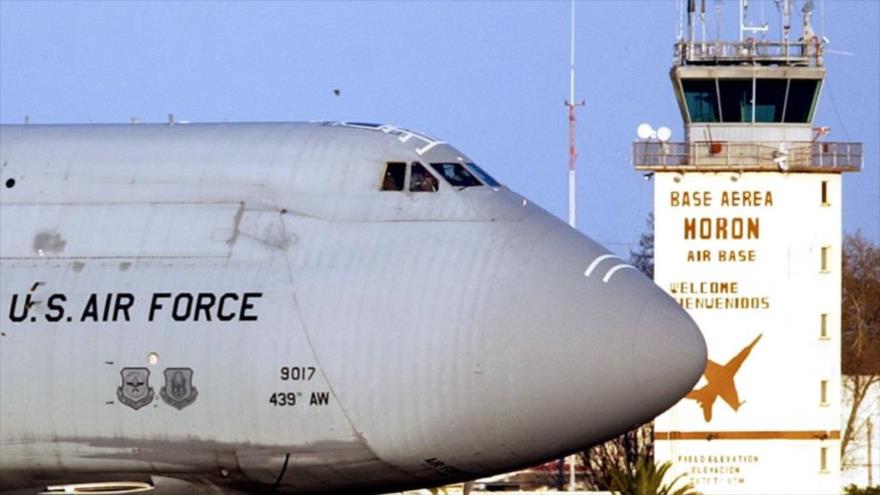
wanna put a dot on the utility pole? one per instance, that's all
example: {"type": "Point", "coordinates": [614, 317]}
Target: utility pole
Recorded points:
{"type": "Point", "coordinates": [572, 195]}
{"type": "Point", "coordinates": [572, 136]}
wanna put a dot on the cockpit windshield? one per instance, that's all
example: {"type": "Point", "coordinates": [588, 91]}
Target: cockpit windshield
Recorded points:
{"type": "Point", "coordinates": [456, 174]}
{"type": "Point", "coordinates": [421, 180]}
{"type": "Point", "coordinates": [415, 177]}
{"type": "Point", "coordinates": [483, 175]}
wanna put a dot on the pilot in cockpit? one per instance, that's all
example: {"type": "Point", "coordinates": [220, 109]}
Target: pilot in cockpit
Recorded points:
{"type": "Point", "coordinates": [421, 180]}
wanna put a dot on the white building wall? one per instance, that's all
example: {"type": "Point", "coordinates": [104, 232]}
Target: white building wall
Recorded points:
{"type": "Point", "coordinates": [776, 288]}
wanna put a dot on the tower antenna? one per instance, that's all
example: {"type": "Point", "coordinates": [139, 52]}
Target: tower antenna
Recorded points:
{"type": "Point", "coordinates": [572, 145]}
{"type": "Point", "coordinates": [744, 25]}
{"type": "Point", "coordinates": [572, 196]}
{"type": "Point", "coordinates": [703, 21]}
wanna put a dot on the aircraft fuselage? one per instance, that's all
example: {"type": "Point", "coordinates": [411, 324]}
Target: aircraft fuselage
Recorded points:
{"type": "Point", "coordinates": [247, 306]}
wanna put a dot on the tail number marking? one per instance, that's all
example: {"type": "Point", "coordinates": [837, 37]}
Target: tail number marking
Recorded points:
{"type": "Point", "coordinates": [297, 373]}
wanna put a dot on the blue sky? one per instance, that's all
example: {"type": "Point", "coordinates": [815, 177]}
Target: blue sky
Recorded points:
{"type": "Point", "coordinates": [490, 77]}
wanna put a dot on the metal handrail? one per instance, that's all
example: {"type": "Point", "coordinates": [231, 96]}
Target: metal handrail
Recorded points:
{"type": "Point", "coordinates": [722, 155]}
{"type": "Point", "coordinates": [751, 51]}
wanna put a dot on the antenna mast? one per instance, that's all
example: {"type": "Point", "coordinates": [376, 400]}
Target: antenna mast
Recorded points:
{"type": "Point", "coordinates": [572, 146]}
{"type": "Point", "coordinates": [572, 205]}
{"type": "Point", "coordinates": [743, 21]}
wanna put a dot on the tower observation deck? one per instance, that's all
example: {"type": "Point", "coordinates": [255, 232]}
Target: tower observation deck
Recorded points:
{"type": "Point", "coordinates": [747, 219]}
{"type": "Point", "coordinates": [748, 105]}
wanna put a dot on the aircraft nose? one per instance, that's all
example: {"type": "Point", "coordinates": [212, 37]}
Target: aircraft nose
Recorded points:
{"type": "Point", "coordinates": [669, 352]}
{"type": "Point", "coordinates": [590, 342]}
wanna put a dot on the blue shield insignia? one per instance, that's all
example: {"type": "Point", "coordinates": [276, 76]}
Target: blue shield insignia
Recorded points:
{"type": "Point", "coordinates": [178, 391]}
{"type": "Point", "coordinates": [135, 391]}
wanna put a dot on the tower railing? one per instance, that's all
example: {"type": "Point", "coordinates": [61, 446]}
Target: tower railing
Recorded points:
{"type": "Point", "coordinates": [750, 51]}
{"type": "Point", "coordinates": [820, 156]}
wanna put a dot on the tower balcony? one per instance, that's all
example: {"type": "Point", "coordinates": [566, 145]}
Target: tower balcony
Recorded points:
{"type": "Point", "coordinates": [749, 52]}
{"type": "Point", "coordinates": [720, 156]}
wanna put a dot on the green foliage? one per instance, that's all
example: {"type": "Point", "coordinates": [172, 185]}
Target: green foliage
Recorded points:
{"type": "Point", "coordinates": [646, 478]}
{"type": "Point", "coordinates": [857, 490]}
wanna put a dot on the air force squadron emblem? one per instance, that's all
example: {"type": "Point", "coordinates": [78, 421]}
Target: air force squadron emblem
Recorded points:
{"type": "Point", "coordinates": [135, 391]}
{"type": "Point", "coordinates": [178, 391]}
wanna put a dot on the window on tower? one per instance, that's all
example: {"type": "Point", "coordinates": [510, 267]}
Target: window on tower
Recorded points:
{"type": "Point", "coordinates": [747, 100]}
{"type": "Point", "coordinates": [770, 99]}
{"type": "Point", "coordinates": [736, 100]}
{"type": "Point", "coordinates": [701, 99]}
{"type": "Point", "coordinates": [823, 262]}
{"type": "Point", "coordinates": [801, 100]}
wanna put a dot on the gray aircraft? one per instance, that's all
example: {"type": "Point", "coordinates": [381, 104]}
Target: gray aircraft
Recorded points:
{"type": "Point", "coordinates": [304, 308]}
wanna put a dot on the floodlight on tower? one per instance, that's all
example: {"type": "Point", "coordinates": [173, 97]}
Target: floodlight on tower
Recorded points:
{"type": "Point", "coordinates": [664, 133]}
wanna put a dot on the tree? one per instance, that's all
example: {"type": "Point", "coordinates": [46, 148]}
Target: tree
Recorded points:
{"type": "Point", "coordinates": [643, 259]}
{"type": "Point", "coordinates": [622, 454]}
{"type": "Point", "coordinates": [860, 328]}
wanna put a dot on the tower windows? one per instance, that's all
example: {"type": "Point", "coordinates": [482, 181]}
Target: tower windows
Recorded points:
{"type": "Point", "coordinates": [701, 99]}
{"type": "Point", "coordinates": [824, 266]}
{"type": "Point", "coordinates": [736, 100]}
{"type": "Point", "coordinates": [823, 326]}
{"type": "Point", "coordinates": [823, 393]}
{"type": "Point", "coordinates": [770, 100]}
{"type": "Point", "coordinates": [801, 100]}
{"type": "Point", "coordinates": [747, 100]}
{"type": "Point", "coordinates": [823, 459]}
{"type": "Point", "coordinates": [825, 193]}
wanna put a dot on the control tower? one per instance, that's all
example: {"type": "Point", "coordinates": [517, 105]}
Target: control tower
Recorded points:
{"type": "Point", "coordinates": [748, 240]}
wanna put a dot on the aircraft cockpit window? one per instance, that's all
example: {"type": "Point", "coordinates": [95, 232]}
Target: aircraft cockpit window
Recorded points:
{"type": "Point", "coordinates": [420, 180]}
{"type": "Point", "coordinates": [395, 174]}
{"type": "Point", "coordinates": [483, 175]}
{"type": "Point", "coordinates": [456, 174]}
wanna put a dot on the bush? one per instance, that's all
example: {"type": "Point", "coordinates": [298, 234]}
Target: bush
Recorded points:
{"type": "Point", "coordinates": [857, 490]}
{"type": "Point", "coordinates": [646, 478]}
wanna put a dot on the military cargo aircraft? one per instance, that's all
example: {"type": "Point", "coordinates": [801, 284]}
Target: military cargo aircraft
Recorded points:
{"type": "Point", "coordinates": [303, 308]}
